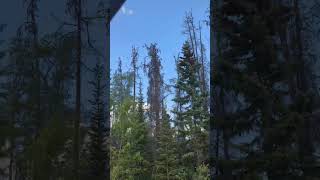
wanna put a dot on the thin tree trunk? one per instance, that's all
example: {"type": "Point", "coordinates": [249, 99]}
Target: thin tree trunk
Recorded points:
{"type": "Point", "coordinates": [211, 122]}
{"type": "Point", "coordinates": [194, 38]}
{"type": "Point", "coordinates": [203, 74]}
{"type": "Point", "coordinates": [134, 66]}
{"type": "Point", "coordinates": [189, 32]}
{"type": "Point", "coordinates": [35, 47]}
{"type": "Point", "coordinates": [108, 19]}
{"type": "Point", "coordinates": [76, 143]}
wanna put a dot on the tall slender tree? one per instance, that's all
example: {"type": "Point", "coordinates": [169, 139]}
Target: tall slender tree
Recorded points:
{"type": "Point", "coordinates": [193, 115]}
{"type": "Point", "coordinates": [32, 28]}
{"type": "Point", "coordinates": [98, 147]}
{"type": "Point", "coordinates": [134, 61]}
{"type": "Point", "coordinates": [155, 88]}
{"type": "Point", "coordinates": [74, 8]}
{"type": "Point", "coordinates": [166, 163]}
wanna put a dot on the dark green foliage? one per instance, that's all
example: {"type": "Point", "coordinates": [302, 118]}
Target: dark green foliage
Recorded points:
{"type": "Point", "coordinates": [166, 162]}
{"type": "Point", "coordinates": [98, 148]}
{"type": "Point", "coordinates": [155, 87]}
{"type": "Point", "coordinates": [130, 139]}
{"type": "Point", "coordinates": [191, 116]}
{"type": "Point", "coordinates": [45, 153]}
{"type": "Point", "coordinates": [257, 100]}
{"type": "Point", "coordinates": [20, 109]}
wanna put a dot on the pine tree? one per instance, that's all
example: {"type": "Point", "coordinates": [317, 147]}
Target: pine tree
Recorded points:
{"type": "Point", "coordinates": [155, 88]}
{"type": "Point", "coordinates": [256, 78]}
{"type": "Point", "coordinates": [121, 86]}
{"type": "Point", "coordinates": [141, 113]}
{"type": "Point", "coordinates": [32, 33]}
{"type": "Point", "coordinates": [142, 129]}
{"type": "Point", "coordinates": [130, 137]}
{"type": "Point", "coordinates": [98, 149]}
{"type": "Point", "coordinates": [202, 173]}
{"type": "Point", "coordinates": [128, 150]}
{"type": "Point", "coordinates": [134, 61]}
{"type": "Point", "coordinates": [74, 8]}
{"type": "Point", "coordinates": [192, 114]}
{"type": "Point", "coordinates": [166, 162]}
{"type": "Point", "coordinates": [141, 137]}
{"type": "Point", "coordinates": [195, 40]}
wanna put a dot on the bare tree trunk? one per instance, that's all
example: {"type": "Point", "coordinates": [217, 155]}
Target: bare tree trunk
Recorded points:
{"type": "Point", "coordinates": [193, 28]}
{"type": "Point", "coordinates": [203, 71]}
{"type": "Point", "coordinates": [189, 32]}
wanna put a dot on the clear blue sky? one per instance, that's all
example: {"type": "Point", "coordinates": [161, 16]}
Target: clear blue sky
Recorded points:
{"type": "Point", "coordinates": [142, 22]}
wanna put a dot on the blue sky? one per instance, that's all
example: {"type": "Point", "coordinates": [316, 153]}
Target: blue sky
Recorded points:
{"type": "Point", "coordinates": [141, 22]}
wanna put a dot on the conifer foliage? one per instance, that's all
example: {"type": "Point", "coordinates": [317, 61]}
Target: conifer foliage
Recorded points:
{"type": "Point", "coordinates": [98, 148]}
{"type": "Point", "coordinates": [166, 163]}
{"type": "Point", "coordinates": [259, 108]}
{"type": "Point", "coordinates": [193, 116]}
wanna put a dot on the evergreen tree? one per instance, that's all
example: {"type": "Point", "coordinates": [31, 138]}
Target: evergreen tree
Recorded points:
{"type": "Point", "coordinates": [202, 173]}
{"type": "Point", "coordinates": [75, 8]}
{"type": "Point", "coordinates": [141, 113]}
{"type": "Point", "coordinates": [143, 134]}
{"type": "Point", "coordinates": [98, 149]}
{"type": "Point", "coordinates": [192, 116]}
{"type": "Point", "coordinates": [155, 88]}
{"type": "Point", "coordinates": [121, 86]}
{"type": "Point", "coordinates": [128, 161]}
{"type": "Point", "coordinates": [134, 61]}
{"type": "Point", "coordinates": [166, 161]}
{"type": "Point", "coordinates": [130, 138]}
{"type": "Point", "coordinates": [254, 96]}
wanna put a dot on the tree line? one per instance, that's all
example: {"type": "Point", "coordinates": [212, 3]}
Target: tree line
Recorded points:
{"type": "Point", "coordinates": [47, 132]}
{"type": "Point", "coordinates": [257, 119]}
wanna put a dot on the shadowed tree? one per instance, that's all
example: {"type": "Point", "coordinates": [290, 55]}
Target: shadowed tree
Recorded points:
{"type": "Point", "coordinates": [74, 8]}
{"type": "Point", "coordinates": [98, 147]}
{"type": "Point", "coordinates": [155, 88]}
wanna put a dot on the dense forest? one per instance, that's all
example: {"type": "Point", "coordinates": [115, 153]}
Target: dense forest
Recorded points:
{"type": "Point", "coordinates": [251, 112]}
{"type": "Point", "coordinates": [47, 131]}
{"type": "Point", "coordinates": [264, 90]}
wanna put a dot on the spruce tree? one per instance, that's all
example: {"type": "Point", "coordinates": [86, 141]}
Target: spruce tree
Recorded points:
{"type": "Point", "coordinates": [166, 162]}
{"type": "Point", "coordinates": [255, 79]}
{"type": "Point", "coordinates": [141, 113]}
{"type": "Point", "coordinates": [155, 88]}
{"type": "Point", "coordinates": [98, 150]}
{"type": "Point", "coordinates": [121, 86]}
{"type": "Point", "coordinates": [130, 138]}
{"type": "Point", "coordinates": [191, 113]}
{"type": "Point", "coordinates": [128, 154]}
